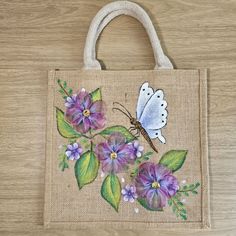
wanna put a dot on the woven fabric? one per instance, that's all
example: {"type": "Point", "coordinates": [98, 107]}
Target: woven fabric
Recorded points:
{"type": "Point", "coordinates": [185, 92]}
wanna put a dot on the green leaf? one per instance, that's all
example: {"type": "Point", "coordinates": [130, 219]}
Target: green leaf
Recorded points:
{"type": "Point", "coordinates": [189, 188]}
{"type": "Point", "coordinates": [178, 207]}
{"type": "Point", "coordinates": [63, 127]}
{"type": "Point", "coordinates": [70, 91]}
{"type": "Point", "coordinates": [96, 95]}
{"type": "Point", "coordinates": [119, 129]}
{"type": "Point", "coordinates": [64, 84]}
{"type": "Point", "coordinates": [63, 165]}
{"type": "Point", "coordinates": [111, 190]}
{"type": "Point", "coordinates": [173, 159]}
{"type": "Point", "coordinates": [144, 204]}
{"type": "Point", "coordinates": [86, 168]}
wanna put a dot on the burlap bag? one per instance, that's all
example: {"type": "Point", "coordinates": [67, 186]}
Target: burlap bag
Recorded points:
{"type": "Point", "coordinates": [100, 173]}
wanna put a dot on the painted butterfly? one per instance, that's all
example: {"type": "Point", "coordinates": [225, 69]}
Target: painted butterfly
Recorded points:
{"type": "Point", "coordinates": [151, 114]}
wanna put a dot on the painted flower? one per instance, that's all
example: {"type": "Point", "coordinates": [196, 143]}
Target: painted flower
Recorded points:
{"type": "Point", "coordinates": [73, 151]}
{"type": "Point", "coordinates": [156, 184]}
{"type": "Point", "coordinates": [84, 114]}
{"type": "Point", "coordinates": [70, 101]}
{"type": "Point", "coordinates": [115, 154]}
{"type": "Point", "coordinates": [129, 193]}
{"type": "Point", "coordinates": [138, 149]}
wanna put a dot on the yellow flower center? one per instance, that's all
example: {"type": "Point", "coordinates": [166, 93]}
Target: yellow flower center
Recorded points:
{"type": "Point", "coordinates": [155, 185]}
{"type": "Point", "coordinates": [113, 155]}
{"type": "Point", "coordinates": [86, 112]}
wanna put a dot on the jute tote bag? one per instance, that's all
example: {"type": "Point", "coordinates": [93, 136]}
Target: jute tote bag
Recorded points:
{"type": "Point", "coordinates": [126, 148]}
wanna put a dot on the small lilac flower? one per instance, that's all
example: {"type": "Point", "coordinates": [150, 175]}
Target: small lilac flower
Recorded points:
{"type": "Point", "coordinates": [129, 193]}
{"type": "Point", "coordinates": [70, 101]}
{"type": "Point", "coordinates": [115, 154]}
{"type": "Point", "coordinates": [156, 184]}
{"type": "Point", "coordinates": [138, 149]}
{"type": "Point", "coordinates": [73, 151]}
{"type": "Point", "coordinates": [84, 114]}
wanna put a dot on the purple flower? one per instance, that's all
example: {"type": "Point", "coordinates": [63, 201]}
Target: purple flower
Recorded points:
{"type": "Point", "coordinates": [115, 154]}
{"type": "Point", "coordinates": [73, 151]}
{"type": "Point", "coordinates": [156, 184]}
{"type": "Point", "coordinates": [129, 193]}
{"type": "Point", "coordinates": [70, 101]}
{"type": "Point", "coordinates": [84, 114]}
{"type": "Point", "coordinates": [138, 149]}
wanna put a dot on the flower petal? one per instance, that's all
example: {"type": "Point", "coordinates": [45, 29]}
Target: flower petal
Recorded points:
{"type": "Point", "coordinates": [126, 198]}
{"type": "Point", "coordinates": [107, 166]}
{"type": "Point", "coordinates": [97, 107]}
{"type": "Point", "coordinates": [116, 140]}
{"type": "Point", "coordinates": [86, 125]}
{"type": "Point", "coordinates": [161, 171]}
{"type": "Point", "coordinates": [169, 185]}
{"type": "Point", "coordinates": [103, 151]}
{"type": "Point", "coordinates": [70, 147]}
{"type": "Point", "coordinates": [68, 153]}
{"type": "Point", "coordinates": [156, 199]}
{"type": "Point", "coordinates": [131, 200]}
{"type": "Point", "coordinates": [97, 120]}
{"type": "Point", "coordinates": [140, 148]}
{"type": "Point", "coordinates": [123, 191]}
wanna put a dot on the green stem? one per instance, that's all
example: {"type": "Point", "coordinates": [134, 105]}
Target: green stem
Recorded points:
{"type": "Point", "coordinates": [68, 95]}
{"type": "Point", "coordinates": [174, 202]}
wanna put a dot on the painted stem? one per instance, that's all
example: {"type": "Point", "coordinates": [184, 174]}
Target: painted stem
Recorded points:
{"type": "Point", "coordinates": [68, 95]}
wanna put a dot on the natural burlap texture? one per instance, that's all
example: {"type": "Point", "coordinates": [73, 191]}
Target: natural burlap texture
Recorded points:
{"type": "Point", "coordinates": [186, 94]}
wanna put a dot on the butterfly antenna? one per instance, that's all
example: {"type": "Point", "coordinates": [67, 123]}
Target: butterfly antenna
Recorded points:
{"type": "Point", "coordinates": [118, 109]}
{"type": "Point", "coordinates": [123, 107]}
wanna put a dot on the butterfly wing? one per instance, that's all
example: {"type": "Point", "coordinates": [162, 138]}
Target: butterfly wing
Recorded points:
{"type": "Point", "coordinates": [154, 115]}
{"type": "Point", "coordinates": [153, 134]}
{"type": "Point", "coordinates": [145, 93]}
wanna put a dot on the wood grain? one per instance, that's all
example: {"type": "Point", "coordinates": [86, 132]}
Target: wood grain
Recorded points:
{"type": "Point", "coordinates": [41, 35]}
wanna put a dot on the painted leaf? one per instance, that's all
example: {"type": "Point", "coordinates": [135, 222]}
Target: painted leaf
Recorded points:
{"type": "Point", "coordinates": [120, 129]}
{"type": "Point", "coordinates": [96, 95]}
{"type": "Point", "coordinates": [173, 159]}
{"type": "Point", "coordinates": [86, 168]}
{"type": "Point", "coordinates": [111, 190]}
{"type": "Point", "coordinates": [64, 128]}
{"type": "Point", "coordinates": [144, 204]}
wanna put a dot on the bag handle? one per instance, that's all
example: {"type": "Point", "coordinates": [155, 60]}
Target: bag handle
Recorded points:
{"type": "Point", "coordinates": [109, 12]}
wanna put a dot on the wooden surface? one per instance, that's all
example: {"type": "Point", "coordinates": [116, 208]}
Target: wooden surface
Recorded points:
{"type": "Point", "coordinates": [41, 35]}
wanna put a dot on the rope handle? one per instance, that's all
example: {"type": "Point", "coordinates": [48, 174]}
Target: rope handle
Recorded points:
{"type": "Point", "coordinates": [107, 14]}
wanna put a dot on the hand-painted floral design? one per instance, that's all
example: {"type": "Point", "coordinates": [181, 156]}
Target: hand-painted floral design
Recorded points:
{"type": "Point", "coordinates": [115, 154]}
{"type": "Point", "coordinates": [115, 149]}
{"type": "Point", "coordinates": [70, 101]}
{"type": "Point", "coordinates": [156, 184]}
{"type": "Point", "coordinates": [73, 151]}
{"type": "Point", "coordinates": [129, 193]}
{"type": "Point", "coordinates": [83, 113]}
{"type": "Point", "coordinates": [138, 149]}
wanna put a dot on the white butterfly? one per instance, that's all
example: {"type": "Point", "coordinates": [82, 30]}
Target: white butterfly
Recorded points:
{"type": "Point", "coordinates": [151, 114]}
{"type": "Point", "coordinates": [151, 111]}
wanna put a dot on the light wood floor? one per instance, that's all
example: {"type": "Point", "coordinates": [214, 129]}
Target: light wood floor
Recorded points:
{"type": "Point", "coordinates": [39, 35]}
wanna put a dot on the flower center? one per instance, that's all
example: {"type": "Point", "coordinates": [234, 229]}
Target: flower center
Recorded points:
{"type": "Point", "coordinates": [86, 112]}
{"type": "Point", "coordinates": [113, 155]}
{"type": "Point", "coordinates": [156, 185]}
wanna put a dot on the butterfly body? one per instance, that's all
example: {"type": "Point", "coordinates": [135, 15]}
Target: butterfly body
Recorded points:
{"type": "Point", "coordinates": [138, 126]}
{"type": "Point", "coordinates": [151, 114]}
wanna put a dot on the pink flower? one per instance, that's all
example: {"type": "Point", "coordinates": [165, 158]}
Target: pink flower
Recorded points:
{"type": "Point", "coordinates": [84, 114]}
